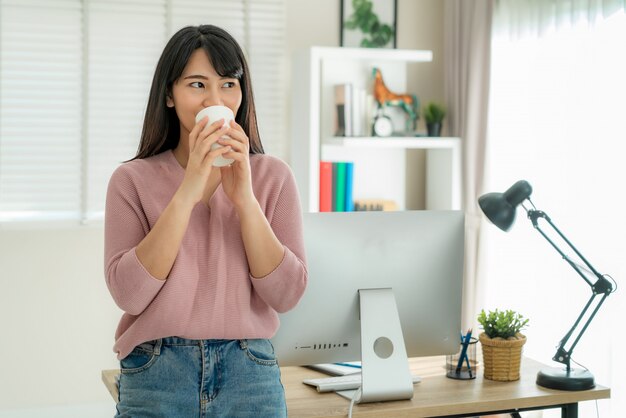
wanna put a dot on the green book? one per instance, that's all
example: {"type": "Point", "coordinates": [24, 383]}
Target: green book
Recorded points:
{"type": "Point", "coordinates": [339, 187]}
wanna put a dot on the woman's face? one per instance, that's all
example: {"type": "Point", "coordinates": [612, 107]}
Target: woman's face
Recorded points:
{"type": "Point", "coordinates": [200, 86]}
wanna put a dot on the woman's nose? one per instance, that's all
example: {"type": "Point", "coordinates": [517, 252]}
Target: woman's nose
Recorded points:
{"type": "Point", "coordinates": [212, 98]}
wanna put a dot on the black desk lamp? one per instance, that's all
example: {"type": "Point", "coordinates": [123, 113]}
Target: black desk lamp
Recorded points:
{"type": "Point", "coordinates": [500, 209]}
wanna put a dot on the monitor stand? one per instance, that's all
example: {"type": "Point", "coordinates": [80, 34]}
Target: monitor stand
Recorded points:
{"type": "Point", "coordinates": [385, 373]}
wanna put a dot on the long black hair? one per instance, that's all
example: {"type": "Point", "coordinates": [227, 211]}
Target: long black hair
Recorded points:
{"type": "Point", "coordinates": [161, 128]}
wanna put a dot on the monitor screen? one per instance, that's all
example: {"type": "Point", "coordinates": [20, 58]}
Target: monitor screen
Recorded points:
{"type": "Point", "coordinates": [416, 254]}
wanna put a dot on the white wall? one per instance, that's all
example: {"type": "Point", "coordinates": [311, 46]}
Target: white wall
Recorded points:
{"type": "Point", "coordinates": [56, 316]}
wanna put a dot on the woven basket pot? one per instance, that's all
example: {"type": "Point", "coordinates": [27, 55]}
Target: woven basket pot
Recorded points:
{"type": "Point", "coordinates": [502, 358]}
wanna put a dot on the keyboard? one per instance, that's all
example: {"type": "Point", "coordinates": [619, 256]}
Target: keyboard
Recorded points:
{"type": "Point", "coordinates": [337, 383]}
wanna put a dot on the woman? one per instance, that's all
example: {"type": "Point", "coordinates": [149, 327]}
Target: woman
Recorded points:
{"type": "Point", "coordinates": [201, 258]}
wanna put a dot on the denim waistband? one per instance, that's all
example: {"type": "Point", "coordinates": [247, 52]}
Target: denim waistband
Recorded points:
{"type": "Point", "coordinates": [186, 341]}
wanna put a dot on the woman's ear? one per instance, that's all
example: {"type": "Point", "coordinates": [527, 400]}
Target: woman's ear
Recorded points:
{"type": "Point", "coordinates": [169, 102]}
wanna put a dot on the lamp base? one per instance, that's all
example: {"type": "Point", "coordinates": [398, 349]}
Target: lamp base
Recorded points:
{"type": "Point", "coordinates": [561, 379]}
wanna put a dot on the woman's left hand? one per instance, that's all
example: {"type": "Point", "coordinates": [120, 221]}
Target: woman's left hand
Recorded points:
{"type": "Point", "coordinates": [236, 178]}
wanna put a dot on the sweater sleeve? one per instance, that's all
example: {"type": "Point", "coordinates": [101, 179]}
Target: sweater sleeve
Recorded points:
{"type": "Point", "coordinates": [125, 225]}
{"type": "Point", "coordinates": [285, 285]}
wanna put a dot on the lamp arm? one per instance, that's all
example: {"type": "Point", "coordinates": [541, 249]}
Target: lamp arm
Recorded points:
{"type": "Point", "coordinates": [601, 286]}
{"type": "Point", "coordinates": [534, 216]}
{"type": "Point", "coordinates": [564, 356]}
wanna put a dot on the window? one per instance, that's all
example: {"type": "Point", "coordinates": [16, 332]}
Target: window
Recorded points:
{"type": "Point", "coordinates": [74, 82]}
{"type": "Point", "coordinates": [556, 120]}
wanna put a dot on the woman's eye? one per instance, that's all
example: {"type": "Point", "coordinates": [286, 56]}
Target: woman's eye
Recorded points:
{"type": "Point", "coordinates": [229, 84]}
{"type": "Point", "coordinates": [197, 84]}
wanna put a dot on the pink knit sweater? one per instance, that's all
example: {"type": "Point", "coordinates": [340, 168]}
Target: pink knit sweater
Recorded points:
{"type": "Point", "coordinates": [209, 292]}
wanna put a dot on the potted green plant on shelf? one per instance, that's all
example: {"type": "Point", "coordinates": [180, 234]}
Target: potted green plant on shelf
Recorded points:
{"type": "Point", "coordinates": [502, 344]}
{"type": "Point", "coordinates": [433, 115]}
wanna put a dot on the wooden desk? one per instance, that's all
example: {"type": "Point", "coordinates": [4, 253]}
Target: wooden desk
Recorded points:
{"type": "Point", "coordinates": [435, 396]}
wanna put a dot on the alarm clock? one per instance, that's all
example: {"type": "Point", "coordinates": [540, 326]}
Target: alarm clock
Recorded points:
{"type": "Point", "coordinates": [382, 125]}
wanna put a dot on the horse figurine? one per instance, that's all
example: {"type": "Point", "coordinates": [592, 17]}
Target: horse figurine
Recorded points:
{"type": "Point", "coordinates": [385, 97]}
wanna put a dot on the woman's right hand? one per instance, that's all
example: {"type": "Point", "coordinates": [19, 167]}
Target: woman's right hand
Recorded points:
{"type": "Point", "coordinates": [201, 157]}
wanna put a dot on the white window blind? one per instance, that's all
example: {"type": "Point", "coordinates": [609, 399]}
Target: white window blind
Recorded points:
{"type": "Point", "coordinates": [40, 109]}
{"type": "Point", "coordinates": [267, 60]}
{"type": "Point", "coordinates": [124, 42]}
{"type": "Point", "coordinates": [74, 82]}
{"type": "Point", "coordinates": [229, 15]}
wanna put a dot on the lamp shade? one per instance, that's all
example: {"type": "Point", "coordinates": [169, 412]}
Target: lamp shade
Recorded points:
{"type": "Point", "coordinates": [500, 207]}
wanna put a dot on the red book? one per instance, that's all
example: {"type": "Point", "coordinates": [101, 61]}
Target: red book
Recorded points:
{"type": "Point", "coordinates": [326, 186]}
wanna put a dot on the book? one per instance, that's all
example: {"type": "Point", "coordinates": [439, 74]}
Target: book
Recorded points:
{"type": "Point", "coordinates": [326, 186]}
{"type": "Point", "coordinates": [375, 205]}
{"type": "Point", "coordinates": [343, 110]}
{"type": "Point", "coordinates": [333, 182]}
{"type": "Point", "coordinates": [357, 115]}
{"type": "Point", "coordinates": [349, 203]}
{"type": "Point", "coordinates": [360, 124]}
{"type": "Point", "coordinates": [340, 187]}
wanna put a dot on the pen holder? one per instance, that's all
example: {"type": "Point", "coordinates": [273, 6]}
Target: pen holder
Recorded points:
{"type": "Point", "coordinates": [457, 367]}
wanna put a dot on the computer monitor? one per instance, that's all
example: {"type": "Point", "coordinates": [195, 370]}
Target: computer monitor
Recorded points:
{"type": "Point", "coordinates": [393, 279]}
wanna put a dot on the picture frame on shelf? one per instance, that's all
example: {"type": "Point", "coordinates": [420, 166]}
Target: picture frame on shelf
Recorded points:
{"type": "Point", "coordinates": [368, 23]}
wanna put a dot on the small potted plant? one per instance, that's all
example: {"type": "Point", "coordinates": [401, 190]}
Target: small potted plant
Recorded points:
{"type": "Point", "coordinates": [433, 115]}
{"type": "Point", "coordinates": [502, 344]}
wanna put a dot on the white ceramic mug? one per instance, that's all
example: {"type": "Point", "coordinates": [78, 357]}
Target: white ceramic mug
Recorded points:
{"type": "Point", "coordinates": [216, 113]}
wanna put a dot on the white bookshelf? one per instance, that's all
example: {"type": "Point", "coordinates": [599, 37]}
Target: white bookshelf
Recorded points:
{"type": "Point", "coordinates": [380, 164]}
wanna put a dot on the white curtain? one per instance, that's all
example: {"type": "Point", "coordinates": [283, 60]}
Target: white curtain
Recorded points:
{"type": "Point", "coordinates": [467, 56]}
{"type": "Point", "coordinates": [556, 119]}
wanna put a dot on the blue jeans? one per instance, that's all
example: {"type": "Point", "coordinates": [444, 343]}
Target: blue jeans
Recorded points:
{"type": "Point", "coordinates": [175, 377]}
